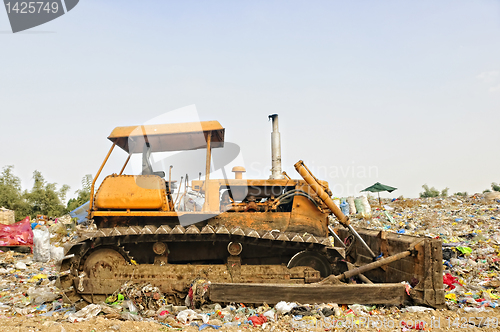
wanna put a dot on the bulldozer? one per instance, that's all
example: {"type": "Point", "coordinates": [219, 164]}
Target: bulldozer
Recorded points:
{"type": "Point", "coordinates": [255, 240]}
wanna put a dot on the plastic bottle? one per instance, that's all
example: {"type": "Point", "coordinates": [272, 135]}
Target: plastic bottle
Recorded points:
{"type": "Point", "coordinates": [344, 206]}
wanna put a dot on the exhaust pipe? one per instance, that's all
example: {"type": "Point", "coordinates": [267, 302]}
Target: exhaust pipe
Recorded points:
{"type": "Point", "coordinates": [276, 172]}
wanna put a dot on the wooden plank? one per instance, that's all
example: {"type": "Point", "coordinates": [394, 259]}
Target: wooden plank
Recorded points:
{"type": "Point", "coordinates": [437, 257]}
{"type": "Point", "coordinates": [274, 293]}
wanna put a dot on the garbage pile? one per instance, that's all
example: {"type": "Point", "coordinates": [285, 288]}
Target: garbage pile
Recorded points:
{"type": "Point", "coordinates": [468, 227]}
{"type": "Point", "coordinates": [27, 287]}
{"type": "Point", "coordinates": [283, 314]}
{"type": "Point", "coordinates": [27, 281]}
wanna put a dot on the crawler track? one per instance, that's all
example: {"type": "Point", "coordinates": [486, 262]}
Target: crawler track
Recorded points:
{"type": "Point", "coordinates": [265, 254]}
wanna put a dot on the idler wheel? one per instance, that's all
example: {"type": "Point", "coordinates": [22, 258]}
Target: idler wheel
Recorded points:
{"type": "Point", "coordinates": [312, 259]}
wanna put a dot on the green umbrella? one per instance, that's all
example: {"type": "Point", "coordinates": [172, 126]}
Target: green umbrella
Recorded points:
{"type": "Point", "coordinates": [378, 187]}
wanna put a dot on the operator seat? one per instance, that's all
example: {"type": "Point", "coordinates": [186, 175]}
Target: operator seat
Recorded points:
{"type": "Point", "coordinates": [147, 169]}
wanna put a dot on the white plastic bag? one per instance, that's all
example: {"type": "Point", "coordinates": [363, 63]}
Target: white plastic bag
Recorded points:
{"type": "Point", "coordinates": [359, 310]}
{"type": "Point", "coordinates": [56, 253]}
{"type": "Point", "coordinates": [352, 206]}
{"type": "Point", "coordinates": [187, 315]}
{"type": "Point", "coordinates": [20, 266]}
{"type": "Point", "coordinates": [367, 207]}
{"type": "Point", "coordinates": [41, 244]}
{"type": "Point", "coordinates": [284, 307]}
{"type": "Point", "coordinates": [270, 315]}
{"type": "Point", "coordinates": [41, 295]}
{"type": "Point", "coordinates": [86, 313]}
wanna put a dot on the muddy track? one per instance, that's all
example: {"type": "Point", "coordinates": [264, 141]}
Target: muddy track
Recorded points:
{"type": "Point", "coordinates": [117, 238]}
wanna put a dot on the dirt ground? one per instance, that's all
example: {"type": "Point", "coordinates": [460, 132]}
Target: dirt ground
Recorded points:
{"type": "Point", "coordinates": [438, 320]}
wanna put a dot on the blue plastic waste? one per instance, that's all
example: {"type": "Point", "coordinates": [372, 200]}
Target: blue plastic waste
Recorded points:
{"type": "Point", "coordinates": [344, 207]}
{"type": "Point", "coordinates": [80, 212]}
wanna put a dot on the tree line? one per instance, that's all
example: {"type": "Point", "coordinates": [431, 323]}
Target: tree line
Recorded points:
{"type": "Point", "coordinates": [43, 198]}
{"type": "Point", "coordinates": [433, 192]}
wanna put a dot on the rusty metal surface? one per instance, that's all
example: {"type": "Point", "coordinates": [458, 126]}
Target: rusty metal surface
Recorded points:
{"type": "Point", "coordinates": [422, 270]}
{"type": "Point", "coordinates": [172, 278]}
{"type": "Point", "coordinates": [105, 271]}
{"type": "Point", "coordinates": [325, 197]}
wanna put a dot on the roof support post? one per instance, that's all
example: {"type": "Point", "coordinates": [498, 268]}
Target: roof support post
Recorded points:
{"type": "Point", "coordinates": [207, 169]}
{"type": "Point", "coordinates": [96, 176]}
{"type": "Point", "coordinates": [126, 162]}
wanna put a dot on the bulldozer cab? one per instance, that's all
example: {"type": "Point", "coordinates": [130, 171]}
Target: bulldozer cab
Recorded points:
{"type": "Point", "coordinates": [279, 203]}
{"type": "Point", "coordinates": [152, 189]}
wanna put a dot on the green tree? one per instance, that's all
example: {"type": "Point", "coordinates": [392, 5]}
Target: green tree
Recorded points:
{"type": "Point", "coordinates": [495, 186]}
{"type": "Point", "coordinates": [444, 192]}
{"type": "Point", "coordinates": [44, 198]}
{"type": "Point", "coordinates": [83, 194]}
{"type": "Point", "coordinates": [429, 192]}
{"type": "Point", "coordinates": [11, 196]}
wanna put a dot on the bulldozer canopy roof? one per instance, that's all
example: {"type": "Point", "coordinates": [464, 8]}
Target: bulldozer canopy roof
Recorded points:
{"type": "Point", "coordinates": [168, 137]}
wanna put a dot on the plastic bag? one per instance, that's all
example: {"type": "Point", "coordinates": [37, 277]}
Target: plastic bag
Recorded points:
{"type": "Point", "coordinates": [352, 206]}
{"type": "Point", "coordinates": [338, 311]}
{"type": "Point", "coordinates": [359, 310]}
{"type": "Point", "coordinates": [188, 315]}
{"type": "Point", "coordinates": [284, 307]}
{"type": "Point", "coordinates": [20, 266]}
{"type": "Point", "coordinates": [257, 320]}
{"type": "Point", "coordinates": [367, 207]}
{"type": "Point", "coordinates": [359, 206]}
{"type": "Point", "coordinates": [270, 315]}
{"type": "Point", "coordinates": [130, 306]}
{"type": "Point", "coordinates": [56, 253]}
{"type": "Point", "coordinates": [41, 295]}
{"type": "Point", "coordinates": [86, 313]}
{"type": "Point", "coordinates": [18, 234]}
{"type": "Point", "coordinates": [41, 241]}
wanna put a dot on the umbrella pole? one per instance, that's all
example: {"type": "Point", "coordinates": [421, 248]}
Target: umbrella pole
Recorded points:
{"type": "Point", "coordinates": [379, 202]}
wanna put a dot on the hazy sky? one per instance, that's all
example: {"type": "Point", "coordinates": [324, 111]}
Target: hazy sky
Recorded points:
{"type": "Point", "coordinates": [400, 92]}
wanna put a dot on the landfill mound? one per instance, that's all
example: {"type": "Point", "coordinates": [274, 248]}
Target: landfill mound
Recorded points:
{"type": "Point", "coordinates": [471, 255]}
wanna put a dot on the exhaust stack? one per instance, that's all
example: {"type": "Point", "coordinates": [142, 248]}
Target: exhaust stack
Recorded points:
{"type": "Point", "coordinates": [276, 172]}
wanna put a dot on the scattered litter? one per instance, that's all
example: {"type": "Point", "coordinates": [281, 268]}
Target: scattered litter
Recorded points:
{"type": "Point", "coordinates": [467, 226]}
{"type": "Point", "coordinates": [86, 313]}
